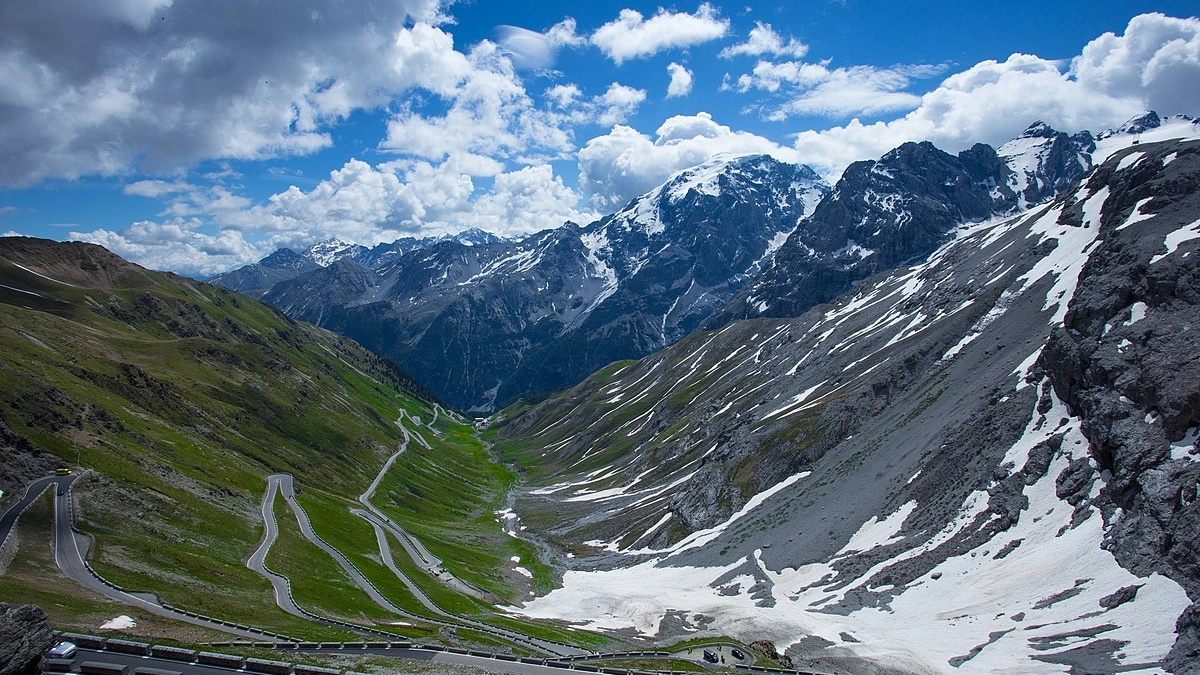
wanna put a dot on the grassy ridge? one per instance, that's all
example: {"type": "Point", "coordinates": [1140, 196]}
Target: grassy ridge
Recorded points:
{"type": "Point", "coordinates": [182, 398]}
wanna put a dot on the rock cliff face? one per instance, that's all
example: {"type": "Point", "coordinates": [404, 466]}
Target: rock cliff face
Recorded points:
{"type": "Point", "coordinates": [24, 635]}
{"type": "Point", "coordinates": [1127, 361]}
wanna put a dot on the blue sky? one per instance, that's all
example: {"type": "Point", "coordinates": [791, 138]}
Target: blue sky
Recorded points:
{"type": "Point", "coordinates": [199, 135]}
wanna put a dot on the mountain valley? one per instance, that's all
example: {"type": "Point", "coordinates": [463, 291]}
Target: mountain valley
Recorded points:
{"type": "Point", "coordinates": [941, 416]}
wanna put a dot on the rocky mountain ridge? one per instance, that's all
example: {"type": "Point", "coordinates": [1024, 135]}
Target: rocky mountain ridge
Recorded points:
{"type": "Point", "coordinates": [284, 264]}
{"type": "Point", "coordinates": [639, 280]}
{"type": "Point", "coordinates": [995, 445]}
{"type": "Point", "coordinates": [493, 321]}
{"type": "Point", "coordinates": [887, 212]}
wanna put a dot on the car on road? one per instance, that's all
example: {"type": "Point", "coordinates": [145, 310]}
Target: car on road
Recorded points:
{"type": "Point", "coordinates": [62, 650]}
{"type": "Point", "coordinates": [710, 656]}
{"type": "Point", "coordinates": [63, 471]}
{"type": "Point", "coordinates": [737, 653]}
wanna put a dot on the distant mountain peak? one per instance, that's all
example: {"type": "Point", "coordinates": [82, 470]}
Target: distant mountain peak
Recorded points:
{"type": "Point", "coordinates": [329, 251]}
{"type": "Point", "coordinates": [1039, 129]}
{"type": "Point", "coordinates": [472, 236]}
{"type": "Point", "coordinates": [284, 258]}
{"type": "Point", "coordinates": [721, 173]}
{"type": "Point", "coordinates": [1140, 123]}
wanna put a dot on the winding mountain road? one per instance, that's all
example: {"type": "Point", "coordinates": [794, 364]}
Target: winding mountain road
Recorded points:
{"type": "Point", "coordinates": [283, 484]}
{"type": "Point", "coordinates": [69, 554]}
{"type": "Point", "coordinates": [32, 491]}
{"type": "Point", "coordinates": [258, 559]}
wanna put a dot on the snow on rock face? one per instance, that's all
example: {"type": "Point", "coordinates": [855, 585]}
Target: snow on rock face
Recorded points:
{"type": "Point", "coordinates": [944, 481]}
{"type": "Point", "coordinates": [725, 175]}
{"type": "Point", "coordinates": [1145, 128]}
{"type": "Point", "coordinates": [1044, 161]}
{"type": "Point", "coordinates": [327, 252]}
{"type": "Point", "coordinates": [1013, 604]}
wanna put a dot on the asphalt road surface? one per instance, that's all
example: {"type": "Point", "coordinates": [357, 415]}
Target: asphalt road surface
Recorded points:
{"type": "Point", "coordinates": [493, 665]}
{"type": "Point", "coordinates": [35, 489]}
{"type": "Point", "coordinates": [257, 560]}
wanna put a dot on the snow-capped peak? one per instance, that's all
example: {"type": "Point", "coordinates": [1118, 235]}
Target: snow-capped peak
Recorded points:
{"type": "Point", "coordinates": [1039, 129]}
{"type": "Point", "coordinates": [1043, 160]}
{"type": "Point", "coordinates": [473, 237]}
{"type": "Point", "coordinates": [706, 179]}
{"type": "Point", "coordinates": [1145, 128]}
{"type": "Point", "coordinates": [327, 252]}
{"type": "Point", "coordinates": [703, 178]}
{"type": "Point", "coordinates": [1137, 124]}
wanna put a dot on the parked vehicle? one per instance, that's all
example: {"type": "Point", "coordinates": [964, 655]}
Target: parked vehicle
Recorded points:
{"type": "Point", "coordinates": [711, 656]}
{"type": "Point", "coordinates": [62, 650]}
{"type": "Point", "coordinates": [737, 653]}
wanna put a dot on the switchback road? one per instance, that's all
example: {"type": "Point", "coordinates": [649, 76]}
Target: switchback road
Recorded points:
{"type": "Point", "coordinates": [283, 484]}
{"type": "Point", "coordinates": [69, 555]}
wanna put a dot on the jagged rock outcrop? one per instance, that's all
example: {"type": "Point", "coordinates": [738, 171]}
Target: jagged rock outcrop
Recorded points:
{"type": "Point", "coordinates": [25, 634]}
{"type": "Point", "coordinates": [1127, 360]}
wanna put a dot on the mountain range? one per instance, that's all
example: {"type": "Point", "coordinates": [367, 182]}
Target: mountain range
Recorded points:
{"type": "Point", "coordinates": [483, 322]}
{"type": "Point", "coordinates": [984, 460]}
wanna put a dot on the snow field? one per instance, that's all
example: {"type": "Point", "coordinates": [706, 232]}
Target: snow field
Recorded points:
{"type": "Point", "coordinates": [991, 613]}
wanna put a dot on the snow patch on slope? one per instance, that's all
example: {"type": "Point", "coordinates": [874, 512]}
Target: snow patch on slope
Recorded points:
{"type": "Point", "coordinates": [1011, 613]}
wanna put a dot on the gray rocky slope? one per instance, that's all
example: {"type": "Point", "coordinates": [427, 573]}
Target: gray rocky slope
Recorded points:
{"type": "Point", "coordinates": [982, 462]}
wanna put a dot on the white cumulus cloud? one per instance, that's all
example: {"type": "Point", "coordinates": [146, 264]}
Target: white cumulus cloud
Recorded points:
{"type": "Point", "coordinates": [631, 35]}
{"type": "Point", "coordinates": [1156, 60]}
{"type": "Point", "coordinates": [619, 102]}
{"type": "Point", "coordinates": [153, 85]}
{"type": "Point", "coordinates": [764, 40]}
{"type": "Point", "coordinates": [177, 245]}
{"type": "Point", "coordinates": [681, 80]}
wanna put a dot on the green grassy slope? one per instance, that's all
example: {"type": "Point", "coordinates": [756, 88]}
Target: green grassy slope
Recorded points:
{"type": "Point", "coordinates": [181, 398]}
